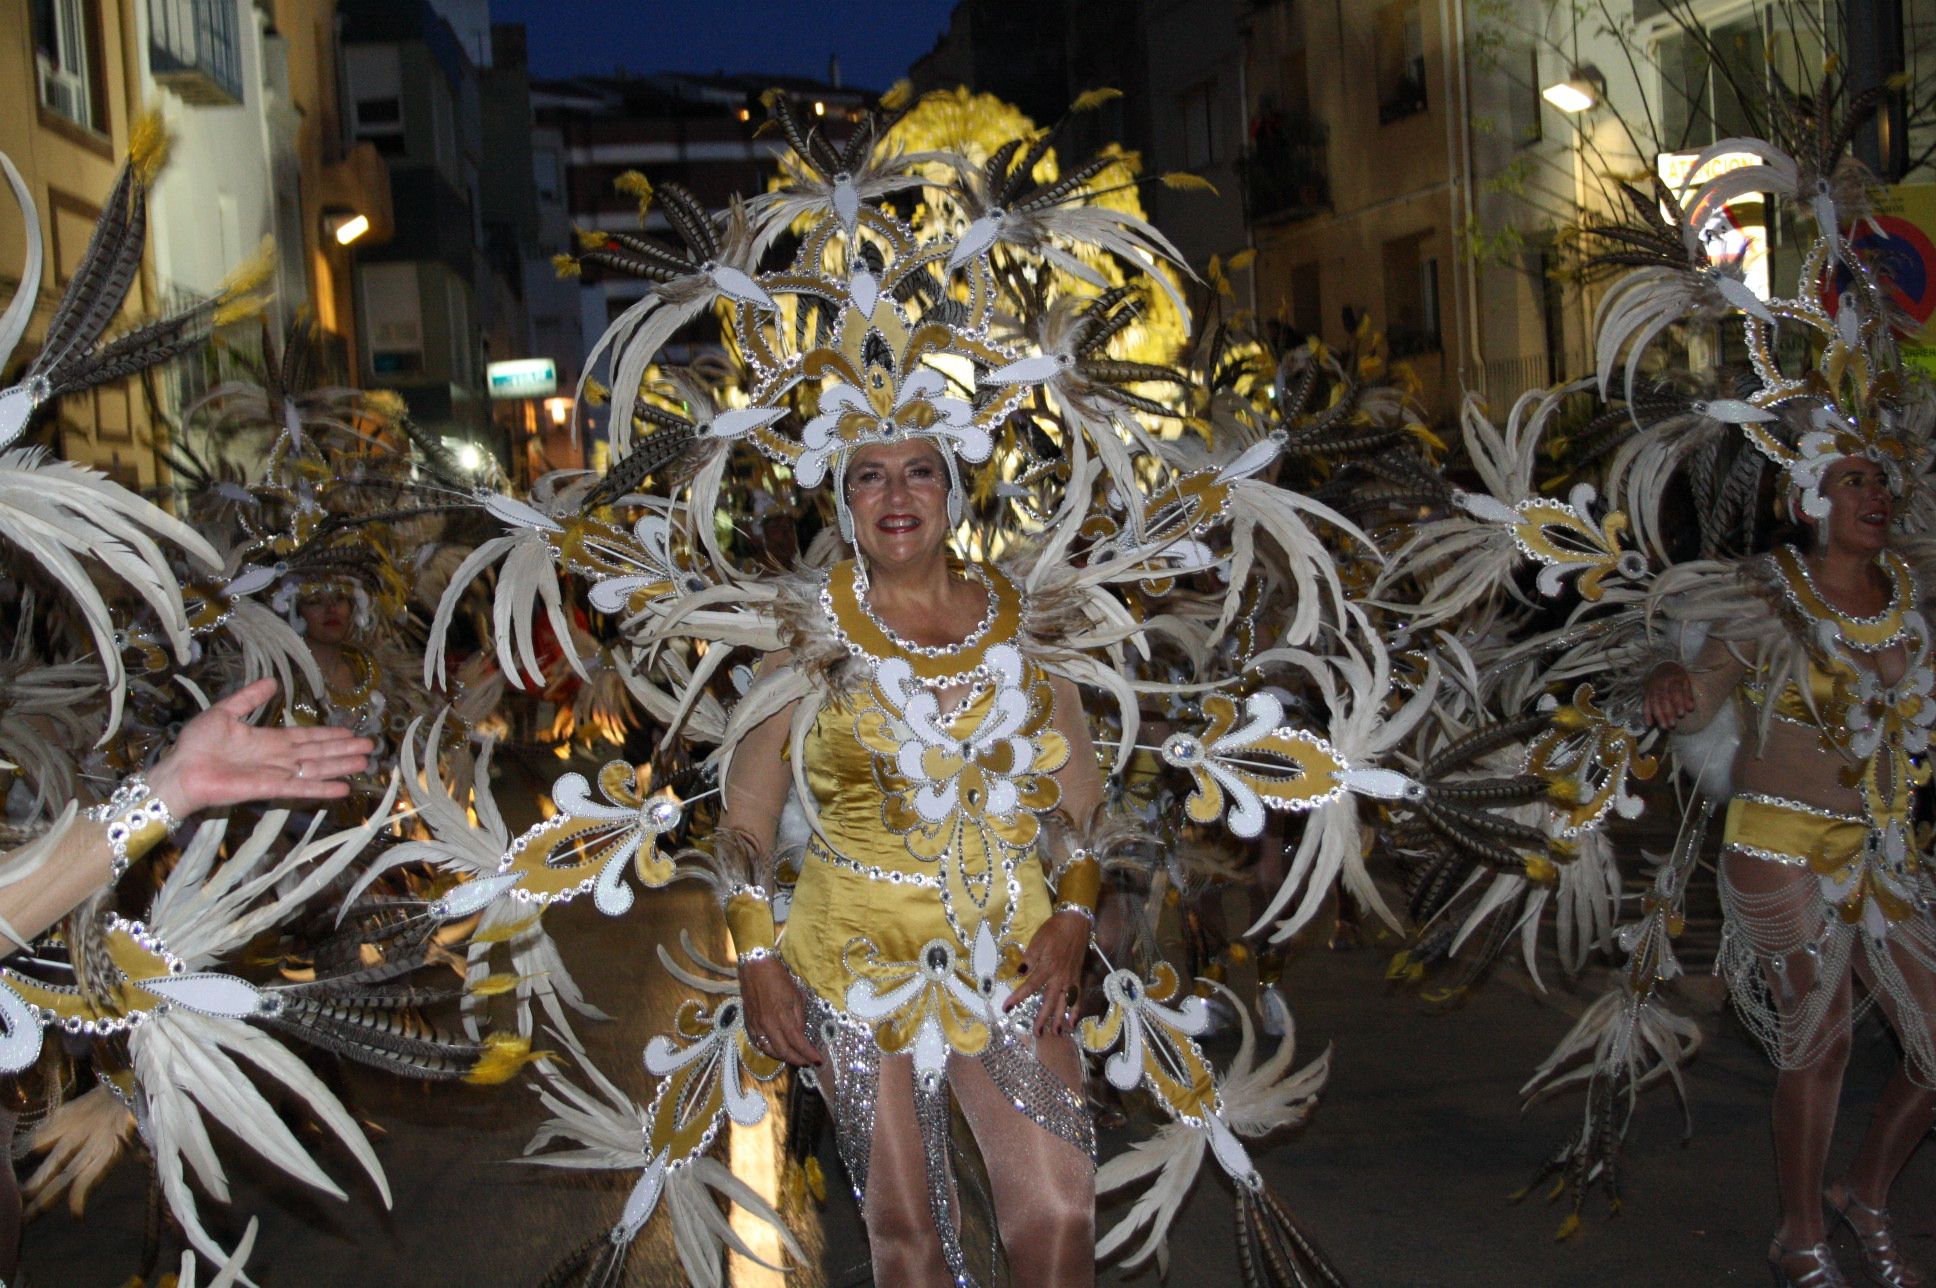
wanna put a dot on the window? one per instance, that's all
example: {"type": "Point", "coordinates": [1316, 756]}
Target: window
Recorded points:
{"type": "Point", "coordinates": [194, 51]}
{"type": "Point", "coordinates": [1400, 36]}
{"type": "Point", "coordinates": [1552, 312]}
{"type": "Point", "coordinates": [379, 115]}
{"type": "Point", "coordinates": [1196, 112]}
{"type": "Point", "coordinates": [393, 310]}
{"type": "Point", "coordinates": [1294, 83]}
{"type": "Point", "coordinates": [457, 303]}
{"type": "Point", "coordinates": [547, 175]}
{"type": "Point", "coordinates": [1523, 85]}
{"type": "Point", "coordinates": [64, 53]}
{"type": "Point", "coordinates": [1411, 296]}
{"type": "Point", "coordinates": [1713, 92]}
{"type": "Point", "coordinates": [375, 78]}
{"type": "Point", "coordinates": [1307, 301]}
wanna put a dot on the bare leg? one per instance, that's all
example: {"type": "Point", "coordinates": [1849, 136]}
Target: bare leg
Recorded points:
{"type": "Point", "coordinates": [900, 1222]}
{"type": "Point", "coordinates": [1902, 1117]}
{"type": "Point", "coordinates": [1044, 1187]}
{"type": "Point", "coordinates": [1906, 1109]}
{"type": "Point", "coordinates": [1775, 905]}
{"type": "Point", "coordinates": [1806, 1100]}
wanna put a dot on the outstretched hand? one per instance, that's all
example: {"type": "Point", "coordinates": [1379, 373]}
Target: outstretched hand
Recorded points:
{"type": "Point", "coordinates": [220, 759]}
{"type": "Point", "coordinates": [1052, 966]}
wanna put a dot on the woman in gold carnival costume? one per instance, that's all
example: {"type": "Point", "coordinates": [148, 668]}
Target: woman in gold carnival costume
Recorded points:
{"type": "Point", "coordinates": [1017, 514]}
{"type": "Point", "coordinates": [1820, 877]}
{"type": "Point", "coordinates": [166, 1007]}
{"type": "Point", "coordinates": [1797, 682]}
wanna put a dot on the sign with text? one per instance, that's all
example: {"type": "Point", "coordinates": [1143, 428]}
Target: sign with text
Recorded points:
{"type": "Point", "coordinates": [1738, 232]}
{"type": "Point", "coordinates": [522, 378]}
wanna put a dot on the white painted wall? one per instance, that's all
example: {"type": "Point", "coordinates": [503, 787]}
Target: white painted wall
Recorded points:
{"type": "Point", "coordinates": [216, 199]}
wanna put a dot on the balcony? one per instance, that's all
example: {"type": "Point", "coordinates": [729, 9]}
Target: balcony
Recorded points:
{"type": "Point", "coordinates": [194, 49]}
{"type": "Point", "coordinates": [1285, 172]}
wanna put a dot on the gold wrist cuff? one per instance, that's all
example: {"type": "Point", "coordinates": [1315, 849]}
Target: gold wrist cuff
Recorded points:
{"type": "Point", "coordinates": [1080, 883]}
{"type": "Point", "coordinates": [749, 918]}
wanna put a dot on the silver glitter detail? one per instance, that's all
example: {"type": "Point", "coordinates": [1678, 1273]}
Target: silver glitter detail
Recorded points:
{"type": "Point", "coordinates": [1029, 1085]}
{"type": "Point", "coordinates": [931, 1111]}
{"type": "Point", "coordinates": [856, 1062]}
{"type": "Point", "coordinates": [873, 873]}
{"type": "Point", "coordinates": [132, 807]}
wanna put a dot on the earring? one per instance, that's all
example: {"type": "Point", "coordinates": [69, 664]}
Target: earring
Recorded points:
{"type": "Point", "coordinates": [861, 583]}
{"type": "Point", "coordinates": [954, 490]}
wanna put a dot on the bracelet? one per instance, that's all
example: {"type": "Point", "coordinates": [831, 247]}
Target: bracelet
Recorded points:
{"type": "Point", "coordinates": [755, 955]}
{"type": "Point", "coordinates": [137, 821]}
{"type": "Point", "coordinates": [1079, 883]}
{"type": "Point", "coordinates": [749, 919]}
{"type": "Point", "coordinates": [1088, 914]}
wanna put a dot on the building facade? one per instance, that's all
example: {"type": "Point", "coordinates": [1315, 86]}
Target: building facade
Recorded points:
{"type": "Point", "coordinates": [66, 103]}
{"type": "Point", "coordinates": [701, 131]}
{"type": "Point", "coordinates": [248, 92]}
{"type": "Point", "coordinates": [413, 94]}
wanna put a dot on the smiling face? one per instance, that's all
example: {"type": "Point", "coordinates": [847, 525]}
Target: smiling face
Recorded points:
{"type": "Point", "coordinates": [898, 495]}
{"type": "Point", "coordinates": [1860, 505]}
{"type": "Point", "coordinates": [327, 617]}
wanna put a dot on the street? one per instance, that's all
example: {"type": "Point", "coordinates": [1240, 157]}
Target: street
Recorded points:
{"type": "Point", "coordinates": [1402, 1174]}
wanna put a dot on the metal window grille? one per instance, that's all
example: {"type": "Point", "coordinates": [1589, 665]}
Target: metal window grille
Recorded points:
{"type": "Point", "coordinates": [194, 49]}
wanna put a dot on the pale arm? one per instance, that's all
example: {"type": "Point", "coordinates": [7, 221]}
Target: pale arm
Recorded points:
{"type": "Point", "coordinates": [757, 786]}
{"type": "Point", "coordinates": [1052, 962]}
{"type": "Point", "coordinates": [218, 760]}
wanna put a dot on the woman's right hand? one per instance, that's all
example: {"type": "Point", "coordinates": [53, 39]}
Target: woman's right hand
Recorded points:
{"type": "Point", "coordinates": [1668, 695]}
{"type": "Point", "coordinates": [776, 1018]}
{"type": "Point", "coordinates": [220, 759]}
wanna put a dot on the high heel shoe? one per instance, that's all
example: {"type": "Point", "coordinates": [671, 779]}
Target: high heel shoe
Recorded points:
{"type": "Point", "coordinates": [1816, 1264]}
{"type": "Point", "coordinates": [1882, 1260]}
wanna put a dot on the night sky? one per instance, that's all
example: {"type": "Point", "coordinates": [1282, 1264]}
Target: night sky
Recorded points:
{"type": "Point", "coordinates": [875, 39]}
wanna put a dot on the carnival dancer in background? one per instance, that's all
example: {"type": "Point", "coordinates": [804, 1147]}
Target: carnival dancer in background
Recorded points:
{"type": "Point", "coordinates": [1823, 654]}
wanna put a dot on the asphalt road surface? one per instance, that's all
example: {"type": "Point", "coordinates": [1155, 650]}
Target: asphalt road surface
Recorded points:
{"type": "Point", "coordinates": [1402, 1174]}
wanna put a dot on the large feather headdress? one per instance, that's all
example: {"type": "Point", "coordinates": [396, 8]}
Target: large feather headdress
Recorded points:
{"type": "Point", "coordinates": [1839, 393]}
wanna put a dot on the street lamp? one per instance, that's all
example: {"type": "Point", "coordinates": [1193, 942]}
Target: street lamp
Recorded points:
{"type": "Point", "coordinates": [345, 225]}
{"type": "Point", "coordinates": [559, 409]}
{"type": "Point", "coordinates": [1579, 92]}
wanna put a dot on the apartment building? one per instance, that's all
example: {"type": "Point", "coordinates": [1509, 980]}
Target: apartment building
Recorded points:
{"type": "Point", "coordinates": [249, 93]}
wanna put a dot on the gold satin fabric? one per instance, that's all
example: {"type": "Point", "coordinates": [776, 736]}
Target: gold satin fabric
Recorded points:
{"type": "Point", "coordinates": [1830, 847]}
{"type": "Point", "coordinates": [834, 905]}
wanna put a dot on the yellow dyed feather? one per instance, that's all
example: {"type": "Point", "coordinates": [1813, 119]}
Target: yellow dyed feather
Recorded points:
{"type": "Point", "coordinates": [147, 146]}
{"type": "Point", "coordinates": [503, 1056]}
{"type": "Point", "coordinates": [510, 930]}
{"type": "Point", "coordinates": [898, 95]}
{"type": "Point", "coordinates": [1090, 100]}
{"type": "Point", "coordinates": [565, 266]}
{"type": "Point", "coordinates": [1184, 181]}
{"type": "Point", "coordinates": [385, 404]}
{"type": "Point", "coordinates": [1426, 436]}
{"type": "Point", "coordinates": [238, 309]}
{"type": "Point", "coordinates": [253, 273]}
{"type": "Point", "coordinates": [1242, 260]}
{"type": "Point", "coordinates": [635, 185]}
{"type": "Point", "coordinates": [494, 985]}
